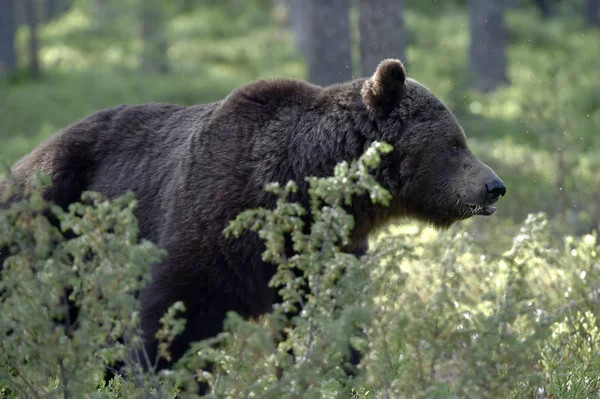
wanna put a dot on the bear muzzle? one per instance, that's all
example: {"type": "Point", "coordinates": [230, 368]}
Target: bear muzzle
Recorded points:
{"type": "Point", "coordinates": [493, 191]}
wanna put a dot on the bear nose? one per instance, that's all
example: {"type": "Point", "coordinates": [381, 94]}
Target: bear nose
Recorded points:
{"type": "Point", "coordinates": [495, 189]}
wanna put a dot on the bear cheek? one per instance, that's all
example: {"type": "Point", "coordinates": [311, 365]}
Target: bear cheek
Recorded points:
{"type": "Point", "coordinates": [433, 196]}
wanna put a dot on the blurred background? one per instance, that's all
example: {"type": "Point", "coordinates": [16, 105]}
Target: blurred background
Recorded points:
{"type": "Point", "coordinates": [521, 75]}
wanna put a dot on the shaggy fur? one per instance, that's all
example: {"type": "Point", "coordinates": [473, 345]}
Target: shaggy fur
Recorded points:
{"type": "Point", "coordinates": [194, 168]}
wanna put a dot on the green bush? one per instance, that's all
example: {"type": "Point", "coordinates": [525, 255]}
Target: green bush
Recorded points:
{"type": "Point", "coordinates": [436, 314]}
{"type": "Point", "coordinates": [47, 350]}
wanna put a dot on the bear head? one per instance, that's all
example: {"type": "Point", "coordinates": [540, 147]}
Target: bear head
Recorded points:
{"type": "Point", "coordinates": [431, 173]}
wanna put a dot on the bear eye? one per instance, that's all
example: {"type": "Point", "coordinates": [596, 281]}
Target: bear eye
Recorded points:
{"type": "Point", "coordinates": [455, 149]}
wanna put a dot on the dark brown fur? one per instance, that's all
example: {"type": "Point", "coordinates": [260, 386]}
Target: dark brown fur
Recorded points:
{"type": "Point", "coordinates": [193, 169]}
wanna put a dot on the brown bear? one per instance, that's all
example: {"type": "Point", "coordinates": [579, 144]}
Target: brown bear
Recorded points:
{"type": "Point", "coordinates": [193, 169]}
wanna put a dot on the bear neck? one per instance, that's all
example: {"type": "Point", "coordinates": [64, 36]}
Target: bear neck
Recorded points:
{"type": "Point", "coordinates": [289, 130]}
{"type": "Point", "coordinates": [356, 127]}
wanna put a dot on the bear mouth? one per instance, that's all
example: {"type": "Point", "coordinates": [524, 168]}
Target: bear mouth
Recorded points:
{"type": "Point", "coordinates": [483, 210]}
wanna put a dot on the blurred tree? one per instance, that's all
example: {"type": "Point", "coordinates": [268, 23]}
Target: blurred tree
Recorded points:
{"type": "Point", "coordinates": [328, 41]}
{"type": "Point", "coordinates": [592, 12]}
{"type": "Point", "coordinates": [55, 8]}
{"type": "Point", "coordinates": [8, 56]}
{"type": "Point", "coordinates": [188, 5]}
{"type": "Point", "coordinates": [297, 18]}
{"type": "Point", "coordinates": [101, 14]}
{"type": "Point", "coordinates": [547, 7]}
{"type": "Point", "coordinates": [381, 25]}
{"type": "Point", "coordinates": [154, 36]}
{"type": "Point", "coordinates": [32, 22]}
{"type": "Point", "coordinates": [514, 3]}
{"type": "Point", "coordinates": [488, 44]}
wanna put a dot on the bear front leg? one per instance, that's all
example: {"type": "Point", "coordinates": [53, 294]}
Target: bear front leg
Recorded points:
{"type": "Point", "coordinates": [204, 319]}
{"type": "Point", "coordinates": [355, 354]}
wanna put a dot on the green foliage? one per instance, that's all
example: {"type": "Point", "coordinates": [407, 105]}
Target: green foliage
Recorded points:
{"type": "Point", "coordinates": [571, 357]}
{"type": "Point", "coordinates": [436, 314]}
{"type": "Point", "coordinates": [330, 287]}
{"type": "Point", "coordinates": [48, 350]}
{"type": "Point", "coordinates": [100, 268]}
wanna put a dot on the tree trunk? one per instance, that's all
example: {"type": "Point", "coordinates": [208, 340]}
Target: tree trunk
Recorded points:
{"type": "Point", "coordinates": [298, 19]}
{"type": "Point", "coordinates": [8, 55]}
{"type": "Point", "coordinates": [154, 55]}
{"type": "Point", "coordinates": [592, 12]}
{"type": "Point", "coordinates": [514, 3]}
{"type": "Point", "coordinates": [547, 7]}
{"type": "Point", "coordinates": [382, 35]}
{"type": "Point", "coordinates": [328, 41]}
{"type": "Point", "coordinates": [55, 8]}
{"type": "Point", "coordinates": [101, 14]}
{"type": "Point", "coordinates": [488, 44]}
{"type": "Point", "coordinates": [51, 9]}
{"type": "Point", "coordinates": [32, 22]}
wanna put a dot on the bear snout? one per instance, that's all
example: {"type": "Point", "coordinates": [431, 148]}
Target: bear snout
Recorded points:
{"type": "Point", "coordinates": [495, 189]}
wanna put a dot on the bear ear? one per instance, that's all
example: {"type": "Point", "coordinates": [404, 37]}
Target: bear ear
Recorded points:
{"type": "Point", "coordinates": [385, 87]}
